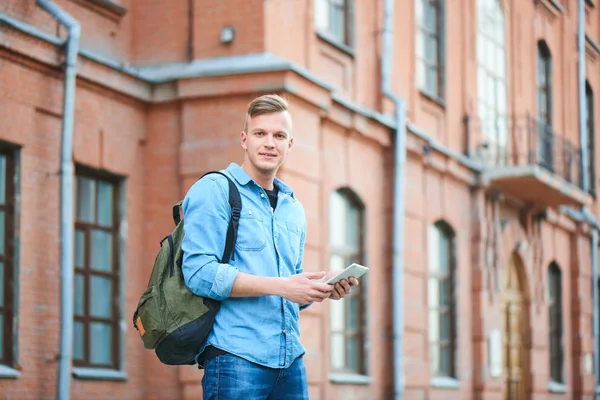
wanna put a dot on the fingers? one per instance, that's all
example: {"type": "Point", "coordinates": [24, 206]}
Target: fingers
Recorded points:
{"type": "Point", "coordinates": [353, 281]}
{"type": "Point", "coordinates": [314, 275]}
{"type": "Point", "coordinates": [318, 296]}
{"type": "Point", "coordinates": [344, 287]}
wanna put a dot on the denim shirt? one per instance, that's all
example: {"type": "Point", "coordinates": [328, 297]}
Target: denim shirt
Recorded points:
{"type": "Point", "coordinates": [263, 330]}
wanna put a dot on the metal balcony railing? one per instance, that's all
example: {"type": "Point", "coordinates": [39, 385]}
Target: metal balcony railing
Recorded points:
{"type": "Point", "coordinates": [521, 141]}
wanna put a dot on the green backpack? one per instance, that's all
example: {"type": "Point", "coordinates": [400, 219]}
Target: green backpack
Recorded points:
{"type": "Point", "coordinates": [169, 317]}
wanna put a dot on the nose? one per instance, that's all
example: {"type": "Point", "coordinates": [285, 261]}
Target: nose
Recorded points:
{"type": "Point", "coordinates": [269, 141]}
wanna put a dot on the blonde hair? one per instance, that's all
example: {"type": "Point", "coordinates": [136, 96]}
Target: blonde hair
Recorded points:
{"type": "Point", "coordinates": [265, 104]}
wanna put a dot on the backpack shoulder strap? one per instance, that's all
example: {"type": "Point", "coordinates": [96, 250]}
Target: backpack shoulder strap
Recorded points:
{"type": "Point", "coordinates": [235, 202]}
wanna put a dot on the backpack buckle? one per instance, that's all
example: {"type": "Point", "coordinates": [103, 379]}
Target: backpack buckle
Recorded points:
{"type": "Point", "coordinates": [236, 213]}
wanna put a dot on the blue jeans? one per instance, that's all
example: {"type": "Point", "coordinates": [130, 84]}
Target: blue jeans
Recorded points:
{"type": "Point", "coordinates": [227, 377]}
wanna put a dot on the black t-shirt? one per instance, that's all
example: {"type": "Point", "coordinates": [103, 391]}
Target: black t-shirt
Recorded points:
{"type": "Point", "coordinates": [273, 196]}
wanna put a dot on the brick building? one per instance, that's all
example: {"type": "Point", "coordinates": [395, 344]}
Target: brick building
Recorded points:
{"type": "Point", "coordinates": [492, 305]}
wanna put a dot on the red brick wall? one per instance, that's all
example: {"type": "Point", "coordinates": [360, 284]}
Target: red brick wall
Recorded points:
{"type": "Point", "coordinates": [162, 148]}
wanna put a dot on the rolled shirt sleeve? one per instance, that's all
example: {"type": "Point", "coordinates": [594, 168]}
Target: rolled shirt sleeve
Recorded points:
{"type": "Point", "coordinates": [206, 214]}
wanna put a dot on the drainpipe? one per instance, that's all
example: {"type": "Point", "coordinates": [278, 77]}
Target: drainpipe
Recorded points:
{"type": "Point", "coordinates": [581, 87]}
{"type": "Point", "coordinates": [585, 186]}
{"type": "Point", "coordinates": [399, 198]}
{"type": "Point", "coordinates": [595, 308]}
{"type": "Point", "coordinates": [66, 198]}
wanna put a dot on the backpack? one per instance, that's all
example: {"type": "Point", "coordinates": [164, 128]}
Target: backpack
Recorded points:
{"type": "Point", "coordinates": [169, 317]}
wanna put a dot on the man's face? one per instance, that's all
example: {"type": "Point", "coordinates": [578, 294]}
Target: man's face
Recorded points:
{"type": "Point", "coordinates": [267, 140]}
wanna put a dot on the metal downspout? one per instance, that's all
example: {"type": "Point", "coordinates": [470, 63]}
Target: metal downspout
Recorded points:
{"type": "Point", "coordinates": [66, 197]}
{"type": "Point", "coordinates": [581, 86]}
{"type": "Point", "coordinates": [399, 199]}
{"type": "Point", "coordinates": [595, 309]}
{"type": "Point", "coordinates": [583, 140]}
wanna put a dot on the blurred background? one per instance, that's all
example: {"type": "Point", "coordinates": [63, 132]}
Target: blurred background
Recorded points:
{"type": "Point", "coordinates": [449, 145]}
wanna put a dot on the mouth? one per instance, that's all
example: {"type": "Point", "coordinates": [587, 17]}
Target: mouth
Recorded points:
{"type": "Point", "coordinates": [268, 155]}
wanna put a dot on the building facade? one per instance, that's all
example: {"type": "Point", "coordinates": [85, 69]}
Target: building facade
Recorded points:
{"type": "Point", "coordinates": [492, 305]}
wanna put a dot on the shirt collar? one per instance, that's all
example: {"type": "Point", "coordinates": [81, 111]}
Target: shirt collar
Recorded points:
{"type": "Point", "coordinates": [243, 179]}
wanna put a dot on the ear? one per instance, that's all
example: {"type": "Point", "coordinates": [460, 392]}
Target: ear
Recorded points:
{"type": "Point", "coordinates": [290, 144]}
{"type": "Point", "coordinates": [244, 139]}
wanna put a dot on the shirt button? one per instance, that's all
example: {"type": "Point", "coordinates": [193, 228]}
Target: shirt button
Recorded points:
{"type": "Point", "coordinates": [262, 195]}
{"type": "Point", "coordinates": [284, 331]}
{"type": "Point", "coordinates": [250, 212]}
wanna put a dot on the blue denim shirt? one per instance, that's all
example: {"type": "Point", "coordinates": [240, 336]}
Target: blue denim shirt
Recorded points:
{"type": "Point", "coordinates": [263, 329]}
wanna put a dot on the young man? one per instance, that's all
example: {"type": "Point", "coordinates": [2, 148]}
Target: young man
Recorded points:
{"type": "Point", "coordinates": [254, 350]}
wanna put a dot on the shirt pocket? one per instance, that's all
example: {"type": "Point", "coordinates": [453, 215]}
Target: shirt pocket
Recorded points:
{"type": "Point", "coordinates": [294, 232]}
{"type": "Point", "coordinates": [251, 234]}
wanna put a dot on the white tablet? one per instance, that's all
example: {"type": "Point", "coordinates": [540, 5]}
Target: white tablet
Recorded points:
{"type": "Point", "coordinates": [355, 270]}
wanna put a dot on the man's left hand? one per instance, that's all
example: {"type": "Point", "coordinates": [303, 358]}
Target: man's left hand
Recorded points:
{"type": "Point", "coordinates": [343, 287]}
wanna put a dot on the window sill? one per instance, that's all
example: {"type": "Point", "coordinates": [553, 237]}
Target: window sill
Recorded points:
{"type": "Point", "coordinates": [443, 382]}
{"type": "Point", "coordinates": [556, 387]}
{"type": "Point", "coordinates": [327, 38]}
{"type": "Point", "coordinates": [553, 6]}
{"type": "Point", "coordinates": [99, 374]}
{"type": "Point", "coordinates": [8, 372]}
{"type": "Point", "coordinates": [349, 378]}
{"type": "Point", "coordinates": [433, 98]}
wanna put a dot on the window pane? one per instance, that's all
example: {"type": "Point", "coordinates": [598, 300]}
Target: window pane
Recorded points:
{"type": "Point", "coordinates": [87, 197]}
{"type": "Point", "coordinates": [434, 357]}
{"type": "Point", "coordinates": [337, 219]}
{"type": "Point", "coordinates": [2, 230]}
{"type": "Point", "coordinates": [353, 354]}
{"type": "Point", "coordinates": [432, 80]}
{"type": "Point", "coordinates": [337, 310]}
{"type": "Point", "coordinates": [100, 297]}
{"type": "Point", "coordinates": [1, 335]}
{"type": "Point", "coordinates": [433, 249]}
{"type": "Point", "coordinates": [100, 343]}
{"type": "Point", "coordinates": [2, 284]}
{"type": "Point", "coordinates": [321, 14]}
{"type": "Point", "coordinates": [421, 74]}
{"type": "Point", "coordinates": [445, 290]}
{"type": "Point", "coordinates": [445, 326]}
{"type": "Point", "coordinates": [338, 351]}
{"type": "Point", "coordinates": [419, 12]}
{"type": "Point", "coordinates": [353, 227]}
{"type": "Point", "coordinates": [431, 50]}
{"type": "Point", "coordinates": [337, 262]}
{"type": "Point", "coordinates": [353, 311]}
{"type": "Point", "coordinates": [433, 293]}
{"type": "Point", "coordinates": [79, 248]}
{"type": "Point", "coordinates": [338, 25]}
{"type": "Point", "coordinates": [3, 179]}
{"type": "Point", "coordinates": [78, 340]}
{"type": "Point", "coordinates": [105, 204]}
{"type": "Point", "coordinates": [101, 250]}
{"type": "Point", "coordinates": [445, 360]}
{"type": "Point", "coordinates": [79, 306]}
{"type": "Point", "coordinates": [434, 326]}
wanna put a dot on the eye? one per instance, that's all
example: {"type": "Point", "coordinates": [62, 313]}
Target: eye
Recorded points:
{"type": "Point", "coordinates": [259, 133]}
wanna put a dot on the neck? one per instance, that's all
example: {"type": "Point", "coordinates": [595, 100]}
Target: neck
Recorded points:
{"type": "Point", "coordinates": [264, 180]}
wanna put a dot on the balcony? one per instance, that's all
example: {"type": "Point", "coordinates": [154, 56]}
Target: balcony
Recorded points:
{"type": "Point", "coordinates": [526, 160]}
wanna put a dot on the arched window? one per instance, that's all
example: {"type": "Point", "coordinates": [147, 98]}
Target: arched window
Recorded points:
{"type": "Point", "coordinates": [546, 136]}
{"type": "Point", "coordinates": [491, 73]}
{"type": "Point", "coordinates": [430, 47]}
{"type": "Point", "coordinates": [556, 325]}
{"type": "Point", "coordinates": [441, 295]}
{"type": "Point", "coordinates": [347, 316]}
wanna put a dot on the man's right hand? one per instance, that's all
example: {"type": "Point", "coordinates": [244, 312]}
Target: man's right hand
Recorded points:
{"type": "Point", "coordinates": [305, 288]}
